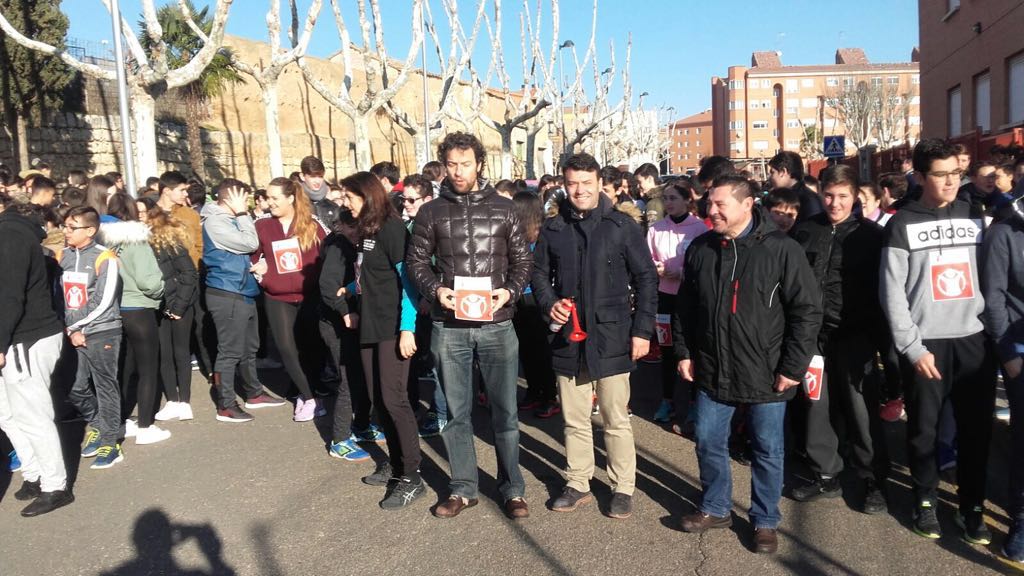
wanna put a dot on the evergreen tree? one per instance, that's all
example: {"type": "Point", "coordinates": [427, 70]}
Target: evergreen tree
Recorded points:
{"type": "Point", "coordinates": [31, 84]}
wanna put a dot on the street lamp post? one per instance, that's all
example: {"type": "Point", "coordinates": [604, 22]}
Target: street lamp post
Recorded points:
{"type": "Point", "coordinates": [122, 95]}
{"type": "Point", "coordinates": [668, 141]}
{"type": "Point", "coordinates": [561, 99]}
{"type": "Point", "coordinates": [426, 102]}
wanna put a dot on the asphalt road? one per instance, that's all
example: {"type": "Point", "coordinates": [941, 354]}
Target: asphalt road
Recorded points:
{"type": "Point", "coordinates": [265, 499]}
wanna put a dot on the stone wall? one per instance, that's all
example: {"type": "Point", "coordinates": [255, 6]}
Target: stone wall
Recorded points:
{"type": "Point", "coordinates": [233, 132]}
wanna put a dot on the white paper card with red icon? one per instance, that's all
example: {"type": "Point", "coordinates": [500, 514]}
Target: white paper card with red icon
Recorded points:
{"type": "Point", "coordinates": [287, 255]}
{"type": "Point", "coordinates": [663, 328]}
{"type": "Point", "coordinates": [814, 379]}
{"type": "Point", "coordinates": [951, 274]}
{"type": "Point", "coordinates": [75, 286]}
{"type": "Point", "coordinates": [473, 299]}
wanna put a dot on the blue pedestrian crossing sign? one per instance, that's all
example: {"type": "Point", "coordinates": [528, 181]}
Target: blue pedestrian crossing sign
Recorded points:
{"type": "Point", "coordinates": [835, 146]}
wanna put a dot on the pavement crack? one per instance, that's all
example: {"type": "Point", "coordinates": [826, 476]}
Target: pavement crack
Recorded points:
{"type": "Point", "coordinates": [699, 570]}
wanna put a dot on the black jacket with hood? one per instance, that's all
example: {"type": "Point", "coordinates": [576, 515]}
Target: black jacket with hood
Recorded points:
{"type": "Point", "coordinates": [1003, 282]}
{"type": "Point", "coordinates": [602, 261]}
{"type": "Point", "coordinates": [26, 297]}
{"type": "Point", "coordinates": [475, 234]}
{"type": "Point", "coordinates": [748, 309]}
{"type": "Point", "coordinates": [845, 259]}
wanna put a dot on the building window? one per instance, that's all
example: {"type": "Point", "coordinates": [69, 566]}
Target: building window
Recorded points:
{"type": "Point", "coordinates": [735, 84]}
{"type": "Point", "coordinates": [686, 131]}
{"type": "Point", "coordinates": [982, 102]}
{"type": "Point", "coordinates": [894, 80]}
{"type": "Point", "coordinates": [792, 144]}
{"type": "Point", "coordinates": [848, 82]}
{"type": "Point", "coordinates": [792, 123]}
{"type": "Point", "coordinates": [831, 82]}
{"type": "Point", "coordinates": [760, 145]}
{"type": "Point", "coordinates": [775, 133]}
{"type": "Point", "coordinates": [876, 81]}
{"type": "Point", "coordinates": [791, 86]}
{"type": "Point", "coordinates": [791, 110]}
{"type": "Point", "coordinates": [754, 104]}
{"type": "Point", "coordinates": [807, 82]}
{"type": "Point", "coordinates": [757, 124]}
{"type": "Point", "coordinates": [792, 102]}
{"type": "Point", "coordinates": [1015, 89]}
{"type": "Point", "coordinates": [736, 125]}
{"type": "Point", "coordinates": [699, 155]}
{"type": "Point", "coordinates": [698, 143]}
{"type": "Point", "coordinates": [954, 114]}
{"type": "Point", "coordinates": [776, 93]}
{"type": "Point", "coordinates": [915, 79]}
{"type": "Point", "coordinates": [686, 156]}
{"type": "Point", "coordinates": [679, 144]}
{"type": "Point", "coordinates": [915, 100]}
{"type": "Point", "coordinates": [809, 103]}
{"type": "Point", "coordinates": [698, 131]}
{"type": "Point", "coordinates": [754, 83]}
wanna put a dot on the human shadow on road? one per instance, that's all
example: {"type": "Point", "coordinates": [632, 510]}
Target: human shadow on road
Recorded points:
{"type": "Point", "coordinates": [155, 538]}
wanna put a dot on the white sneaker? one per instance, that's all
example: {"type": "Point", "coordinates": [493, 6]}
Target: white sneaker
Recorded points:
{"type": "Point", "coordinates": [131, 428]}
{"type": "Point", "coordinates": [184, 411]}
{"type": "Point", "coordinates": [170, 411]}
{"type": "Point", "coordinates": [152, 435]}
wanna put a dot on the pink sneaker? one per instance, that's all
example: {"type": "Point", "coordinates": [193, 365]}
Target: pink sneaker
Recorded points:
{"type": "Point", "coordinates": [892, 410]}
{"type": "Point", "coordinates": [305, 410]}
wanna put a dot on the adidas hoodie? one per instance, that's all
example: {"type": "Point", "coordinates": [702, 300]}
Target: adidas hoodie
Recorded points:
{"type": "Point", "coordinates": [930, 275]}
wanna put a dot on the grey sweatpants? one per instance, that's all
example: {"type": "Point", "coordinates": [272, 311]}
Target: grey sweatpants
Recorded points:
{"type": "Point", "coordinates": [26, 411]}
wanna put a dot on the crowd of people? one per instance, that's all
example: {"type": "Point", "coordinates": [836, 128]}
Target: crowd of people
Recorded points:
{"type": "Point", "coordinates": [815, 307]}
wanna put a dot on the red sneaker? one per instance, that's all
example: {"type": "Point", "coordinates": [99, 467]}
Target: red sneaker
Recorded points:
{"type": "Point", "coordinates": [530, 404]}
{"type": "Point", "coordinates": [548, 411]}
{"type": "Point", "coordinates": [263, 401]}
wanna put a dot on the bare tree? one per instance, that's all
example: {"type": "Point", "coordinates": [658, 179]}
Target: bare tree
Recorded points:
{"type": "Point", "coordinates": [526, 103]}
{"type": "Point", "coordinates": [453, 64]}
{"type": "Point", "coordinates": [267, 73]}
{"type": "Point", "coordinates": [380, 87]}
{"type": "Point", "coordinates": [889, 116]}
{"type": "Point", "coordinates": [149, 76]}
{"type": "Point", "coordinates": [853, 108]}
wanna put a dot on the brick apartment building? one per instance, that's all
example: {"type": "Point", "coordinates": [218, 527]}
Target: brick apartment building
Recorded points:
{"type": "Point", "coordinates": [972, 67]}
{"type": "Point", "coordinates": [690, 142]}
{"type": "Point", "coordinates": [768, 107]}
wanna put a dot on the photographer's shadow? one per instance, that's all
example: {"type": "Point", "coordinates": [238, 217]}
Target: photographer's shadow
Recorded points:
{"type": "Point", "coordinates": [155, 538]}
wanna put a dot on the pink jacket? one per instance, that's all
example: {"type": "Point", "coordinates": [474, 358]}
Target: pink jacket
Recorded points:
{"type": "Point", "coordinates": [668, 242]}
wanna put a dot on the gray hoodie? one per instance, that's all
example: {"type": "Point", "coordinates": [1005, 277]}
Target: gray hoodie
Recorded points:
{"type": "Point", "coordinates": [92, 305]}
{"type": "Point", "coordinates": [930, 287]}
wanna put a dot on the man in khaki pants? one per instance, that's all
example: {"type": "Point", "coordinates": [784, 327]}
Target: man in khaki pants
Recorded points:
{"type": "Point", "coordinates": [592, 256]}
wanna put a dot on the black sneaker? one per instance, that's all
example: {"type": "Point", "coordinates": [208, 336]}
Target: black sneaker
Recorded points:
{"type": "Point", "coordinates": [401, 492]}
{"type": "Point", "coordinates": [28, 491]}
{"type": "Point", "coordinates": [973, 525]}
{"type": "Point", "coordinates": [874, 498]}
{"type": "Point", "coordinates": [820, 488]}
{"type": "Point", "coordinates": [233, 414]}
{"type": "Point", "coordinates": [926, 523]}
{"type": "Point", "coordinates": [570, 500]}
{"type": "Point", "coordinates": [381, 475]}
{"type": "Point", "coordinates": [621, 506]}
{"type": "Point", "coordinates": [48, 502]}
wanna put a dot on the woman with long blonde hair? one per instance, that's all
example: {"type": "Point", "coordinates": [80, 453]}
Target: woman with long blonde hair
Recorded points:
{"type": "Point", "coordinates": [170, 239]}
{"type": "Point", "coordinates": [287, 264]}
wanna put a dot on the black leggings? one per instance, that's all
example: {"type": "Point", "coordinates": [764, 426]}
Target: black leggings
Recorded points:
{"type": "Point", "coordinates": [387, 375]}
{"type": "Point", "coordinates": [352, 405]}
{"type": "Point", "coordinates": [175, 365]}
{"type": "Point", "coordinates": [534, 350]}
{"type": "Point", "coordinates": [142, 360]}
{"type": "Point", "coordinates": [294, 326]}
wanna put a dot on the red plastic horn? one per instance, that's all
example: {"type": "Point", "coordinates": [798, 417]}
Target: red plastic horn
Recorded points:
{"type": "Point", "coordinates": [577, 335]}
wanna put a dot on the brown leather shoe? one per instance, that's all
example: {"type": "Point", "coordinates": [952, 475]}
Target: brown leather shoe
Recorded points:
{"type": "Point", "coordinates": [451, 507]}
{"type": "Point", "coordinates": [766, 540]}
{"type": "Point", "coordinates": [701, 522]}
{"type": "Point", "coordinates": [517, 508]}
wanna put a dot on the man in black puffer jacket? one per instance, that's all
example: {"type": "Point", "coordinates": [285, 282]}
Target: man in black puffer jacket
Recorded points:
{"type": "Point", "coordinates": [748, 313]}
{"type": "Point", "coordinates": [473, 234]}
{"type": "Point", "coordinates": [845, 251]}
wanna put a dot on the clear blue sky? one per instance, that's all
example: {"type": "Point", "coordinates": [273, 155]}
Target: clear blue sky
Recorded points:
{"type": "Point", "coordinates": [678, 45]}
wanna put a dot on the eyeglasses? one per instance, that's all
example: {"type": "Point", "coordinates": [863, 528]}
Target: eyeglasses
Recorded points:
{"type": "Point", "coordinates": [943, 175]}
{"type": "Point", "coordinates": [67, 227]}
{"type": "Point", "coordinates": [409, 200]}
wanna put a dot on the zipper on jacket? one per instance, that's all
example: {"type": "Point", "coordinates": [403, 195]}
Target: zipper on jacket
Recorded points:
{"type": "Point", "coordinates": [735, 280]}
{"type": "Point", "coordinates": [735, 294]}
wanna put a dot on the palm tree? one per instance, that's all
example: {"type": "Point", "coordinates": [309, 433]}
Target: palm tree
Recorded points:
{"type": "Point", "coordinates": [182, 44]}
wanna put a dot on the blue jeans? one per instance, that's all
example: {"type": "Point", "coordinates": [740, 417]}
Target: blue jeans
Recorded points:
{"type": "Point", "coordinates": [497, 349]}
{"type": "Point", "coordinates": [766, 432]}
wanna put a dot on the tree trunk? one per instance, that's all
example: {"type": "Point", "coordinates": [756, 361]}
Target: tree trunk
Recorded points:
{"type": "Point", "coordinates": [22, 138]}
{"type": "Point", "coordinates": [506, 152]}
{"type": "Point", "coordinates": [144, 116]}
{"type": "Point", "coordinates": [531, 154]}
{"type": "Point", "coordinates": [273, 129]}
{"type": "Point", "coordinates": [194, 107]}
{"type": "Point", "coordinates": [364, 155]}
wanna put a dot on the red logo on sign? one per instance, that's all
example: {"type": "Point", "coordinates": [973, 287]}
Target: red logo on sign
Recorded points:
{"type": "Point", "coordinates": [952, 281]}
